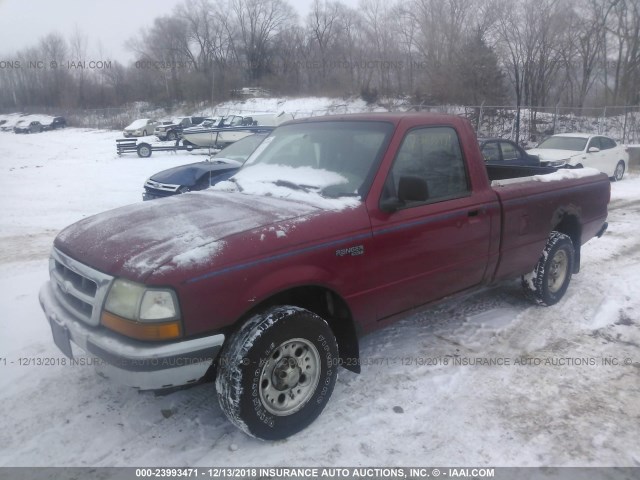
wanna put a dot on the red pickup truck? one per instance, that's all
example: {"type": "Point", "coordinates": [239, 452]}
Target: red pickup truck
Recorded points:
{"type": "Point", "coordinates": [334, 227]}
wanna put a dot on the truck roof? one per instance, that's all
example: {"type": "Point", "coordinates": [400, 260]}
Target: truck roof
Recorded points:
{"type": "Point", "coordinates": [394, 118]}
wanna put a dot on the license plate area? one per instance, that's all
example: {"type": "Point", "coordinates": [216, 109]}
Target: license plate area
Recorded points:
{"type": "Point", "coordinates": [61, 338]}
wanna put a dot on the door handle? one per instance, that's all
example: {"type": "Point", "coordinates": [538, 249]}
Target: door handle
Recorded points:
{"type": "Point", "coordinates": [473, 213]}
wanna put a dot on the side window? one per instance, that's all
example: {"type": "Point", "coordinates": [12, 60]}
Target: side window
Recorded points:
{"type": "Point", "coordinates": [428, 168]}
{"type": "Point", "coordinates": [491, 152]}
{"type": "Point", "coordinates": [509, 152]}
{"type": "Point", "coordinates": [607, 143]}
{"type": "Point", "coordinates": [595, 142]}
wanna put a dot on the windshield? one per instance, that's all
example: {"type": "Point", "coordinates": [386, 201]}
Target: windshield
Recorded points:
{"type": "Point", "coordinates": [241, 149]}
{"type": "Point", "coordinates": [576, 144]}
{"type": "Point", "coordinates": [333, 158]}
{"type": "Point", "coordinates": [210, 122]}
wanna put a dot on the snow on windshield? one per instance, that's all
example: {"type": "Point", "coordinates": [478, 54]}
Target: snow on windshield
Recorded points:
{"type": "Point", "coordinates": [319, 161]}
{"type": "Point", "coordinates": [139, 123]}
{"type": "Point", "coordinates": [303, 184]}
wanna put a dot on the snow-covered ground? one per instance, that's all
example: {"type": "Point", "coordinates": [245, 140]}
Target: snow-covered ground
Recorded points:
{"type": "Point", "coordinates": [549, 399]}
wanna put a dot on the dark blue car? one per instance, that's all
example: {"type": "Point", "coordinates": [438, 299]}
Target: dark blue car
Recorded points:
{"type": "Point", "coordinates": [499, 151]}
{"type": "Point", "coordinates": [201, 175]}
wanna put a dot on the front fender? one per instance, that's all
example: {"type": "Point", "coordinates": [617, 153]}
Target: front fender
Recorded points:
{"type": "Point", "coordinates": [285, 279]}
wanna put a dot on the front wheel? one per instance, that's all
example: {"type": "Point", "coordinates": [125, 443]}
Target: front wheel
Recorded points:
{"type": "Point", "coordinates": [276, 374]}
{"type": "Point", "coordinates": [550, 278]}
{"type": "Point", "coordinates": [619, 172]}
{"type": "Point", "coordinates": [171, 136]}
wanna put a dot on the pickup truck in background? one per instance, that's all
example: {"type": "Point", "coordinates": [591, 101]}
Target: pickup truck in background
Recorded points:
{"type": "Point", "coordinates": [172, 129]}
{"type": "Point", "coordinates": [334, 227]}
{"type": "Point", "coordinates": [579, 150]}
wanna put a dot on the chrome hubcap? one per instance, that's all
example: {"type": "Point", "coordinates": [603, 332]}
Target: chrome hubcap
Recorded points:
{"type": "Point", "coordinates": [289, 377]}
{"type": "Point", "coordinates": [558, 271]}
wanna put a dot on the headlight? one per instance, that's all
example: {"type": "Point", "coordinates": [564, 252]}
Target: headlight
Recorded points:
{"type": "Point", "coordinates": [140, 312]}
{"type": "Point", "coordinates": [124, 299]}
{"type": "Point", "coordinates": [557, 163]}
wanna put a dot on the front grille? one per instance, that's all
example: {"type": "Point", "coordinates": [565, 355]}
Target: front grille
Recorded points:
{"type": "Point", "coordinates": [158, 193]}
{"type": "Point", "coordinates": [165, 188]}
{"type": "Point", "coordinates": [80, 289]}
{"type": "Point", "coordinates": [82, 284]}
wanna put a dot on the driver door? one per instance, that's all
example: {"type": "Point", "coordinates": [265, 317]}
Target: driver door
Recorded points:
{"type": "Point", "coordinates": [437, 241]}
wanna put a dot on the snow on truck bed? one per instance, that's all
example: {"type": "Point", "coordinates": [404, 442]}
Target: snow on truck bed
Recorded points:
{"type": "Point", "coordinates": [482, 380]}
{"type": "Point", "coordinates": [561, 174]}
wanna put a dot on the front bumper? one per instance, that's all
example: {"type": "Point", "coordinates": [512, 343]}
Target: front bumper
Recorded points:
{"type": "Point", "coordinates": [146, 196]}
{"type": "Point", "coordinates": [147, 366]}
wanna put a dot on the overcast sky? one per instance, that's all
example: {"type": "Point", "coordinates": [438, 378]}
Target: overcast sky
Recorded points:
{"type": "Point", "coordinates": [105, 23]}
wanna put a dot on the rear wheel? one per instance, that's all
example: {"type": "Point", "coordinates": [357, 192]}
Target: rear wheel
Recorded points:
{"type": "Point", "coordinates": [550, 278]}
{"type": "Point", "coordinates": [276, 374]}
{"type": "Point", "coordinates": [619, 172]}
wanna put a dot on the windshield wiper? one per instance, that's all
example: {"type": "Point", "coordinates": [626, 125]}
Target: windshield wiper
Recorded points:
{"type": "Point", "coordinates": [294, 186]}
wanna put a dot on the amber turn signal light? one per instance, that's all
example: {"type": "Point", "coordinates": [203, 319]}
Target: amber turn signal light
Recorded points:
{"type": "Point", "coordinates": [140, 330]}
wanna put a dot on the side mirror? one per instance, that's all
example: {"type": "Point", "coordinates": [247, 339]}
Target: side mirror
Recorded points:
{"type": "Point", "coordinates": [410, 189]}
{"type": "Point", "coordinates": [391, 205]}
{"type": "Point", "coordinates": [593, 150]}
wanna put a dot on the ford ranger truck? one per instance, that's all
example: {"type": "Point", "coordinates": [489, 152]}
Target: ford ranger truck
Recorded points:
{"type": "Point", "coordinates": [334, 227]}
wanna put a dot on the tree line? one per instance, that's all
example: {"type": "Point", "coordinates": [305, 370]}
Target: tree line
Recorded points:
{"type": "Point", "coordinates": [572, 53]}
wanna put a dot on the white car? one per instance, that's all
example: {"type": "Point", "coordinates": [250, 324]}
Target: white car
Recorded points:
{"type": "Point", "coordinates": [140, 128]}
{"type": "Point", "coordinates": [583, 150]}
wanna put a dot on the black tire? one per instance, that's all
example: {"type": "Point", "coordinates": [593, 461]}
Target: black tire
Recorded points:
{"type": "Point", "coordinates": [144, 133]}
{"type": "Point", "coordinates": [171, 135]}
{"type": "Point", "coordinates": [144, 150]}
{"type": "Point", "coordinates": [550, 278]}
{"type": "Point", "coordinates": [619, 172]}
{"type": "Point", "coordinates": [276, 374]}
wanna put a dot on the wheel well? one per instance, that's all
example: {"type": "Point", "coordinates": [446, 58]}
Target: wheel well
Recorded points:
{"type": "Point", "coordinates": [328, 305]}
{"type": "Point", "coordinates": [570, 225]}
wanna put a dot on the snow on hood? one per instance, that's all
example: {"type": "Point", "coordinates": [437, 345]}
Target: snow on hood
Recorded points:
{"type": "Point", "coordinates": [142, 122]}
{"type": "Point", "coordinates": [551, 154]}
{"type": "Point", "coordinates": [261, 181]}
{"type": "Point", "coordinates": [136, 240]}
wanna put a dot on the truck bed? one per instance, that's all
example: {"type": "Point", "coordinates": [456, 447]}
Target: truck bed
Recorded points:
{"type": "Point", "coordinates": [579, 196]}
{"type": "Point", "coordinates": [504, 172]}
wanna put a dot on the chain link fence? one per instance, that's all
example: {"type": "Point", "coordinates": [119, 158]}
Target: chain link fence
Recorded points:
{"type": "Point", "coordinates": [534, 124]}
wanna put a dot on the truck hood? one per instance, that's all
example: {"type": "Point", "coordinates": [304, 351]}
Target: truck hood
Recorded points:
{"type": "Point", "coordinates": [135, 240]}
{"type": "Point", "coordinates": [551, 154]}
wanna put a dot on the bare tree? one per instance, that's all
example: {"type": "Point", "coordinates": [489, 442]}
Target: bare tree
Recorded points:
{"type": "Point", "coordinates": [624, 31]}
{"type": "Point", "coordinates": [323, 25]}
{"type": "Point", "coordinates": [259, 22]}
